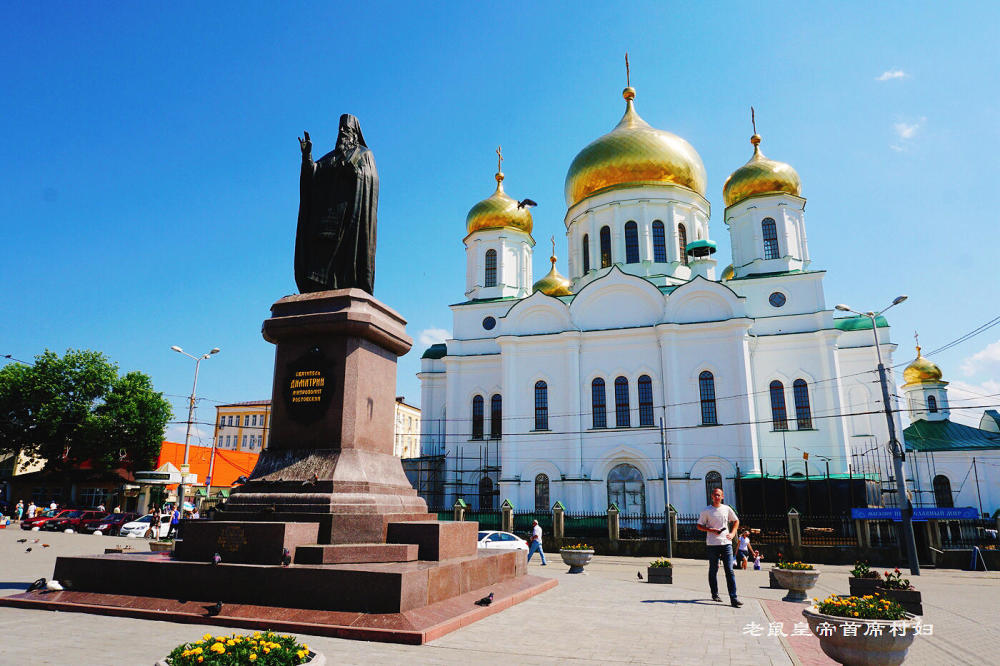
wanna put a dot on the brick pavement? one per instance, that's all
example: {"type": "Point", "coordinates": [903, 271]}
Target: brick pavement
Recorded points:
{"type": "Point", "coordinates": [605, 616]}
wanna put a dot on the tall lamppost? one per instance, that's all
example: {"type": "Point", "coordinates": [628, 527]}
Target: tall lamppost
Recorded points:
{"type": "Point", "coordinates": [898, 455]}
{"type": "Point", "coordinates": [182, 488]}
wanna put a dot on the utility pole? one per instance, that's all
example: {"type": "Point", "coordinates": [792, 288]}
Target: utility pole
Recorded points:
{"type": "Point", "coordinates": [666, 492]}
{"type": "Point", "coordinates": [975, 472]}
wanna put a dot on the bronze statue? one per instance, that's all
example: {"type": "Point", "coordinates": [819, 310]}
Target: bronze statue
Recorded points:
{"type": "Point", "coordinates": [338, 203]}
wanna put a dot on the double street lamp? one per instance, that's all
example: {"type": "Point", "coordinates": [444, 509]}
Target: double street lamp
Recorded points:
{"type": "Point", "coordinates": [182, 488]}
{"type": "Point", "coordinates": [903, 500]}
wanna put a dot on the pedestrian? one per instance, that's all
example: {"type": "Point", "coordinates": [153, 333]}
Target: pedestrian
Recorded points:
{"type": "Point", "coordinates": [118, 509]}
{"type": "Point", "coordinates": [53, 506]}
{"type": "Point", "coordinates": [19, 509]}
{"type": "Point", "coordinates": [32, 509]}
{"type": "Point", "coordinates": [175, 520]}
{"type": "Point", "coordinates": [195, 515]}
{"type": "Point", "coordinates": [154, 522]}
{"type": "Point", "coordinates": [720, 523]}
{"type": "Point", "coordinates": [744, 549]}
{"type": "Point", "coordinates": [536, 541]}
{"type": "Point", "coordinates": [100, 507]}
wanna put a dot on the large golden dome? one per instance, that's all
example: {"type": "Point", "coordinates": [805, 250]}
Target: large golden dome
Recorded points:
{"type": "Point", "coordinates": [498, 211]}
{"type": "Point", "coordinates": [760, 176]}
{"type": "Point", "coordinates": [921, 371]}
{"type": "Point", "coordinates": [636, 154]}
{"type": "Point", "coordinates": [553, 284]}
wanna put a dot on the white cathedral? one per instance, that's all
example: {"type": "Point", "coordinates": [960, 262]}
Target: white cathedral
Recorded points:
{"type": "Point", "coordinates": [554, 390]}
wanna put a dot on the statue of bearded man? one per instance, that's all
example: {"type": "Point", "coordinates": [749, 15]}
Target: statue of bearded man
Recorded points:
{"type": "Point", "coordinates": [338, 205]}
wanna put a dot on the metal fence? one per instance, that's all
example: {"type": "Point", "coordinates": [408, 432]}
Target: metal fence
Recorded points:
{"type": "Point", "coordinates": [882, 533]}
{"type": "Point", "coordinates": [980, 532]}
{"type": "Point", "coordinates": [828, 531]}
{"type": "Point", "coordinates": [766, 528]}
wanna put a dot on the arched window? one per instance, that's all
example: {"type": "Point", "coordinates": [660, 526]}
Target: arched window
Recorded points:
{"type": "Point", "coordinates": [631, 243]}
{"type": "Point", "coordinates": [942, 492]}
{"type": "Point", "coordinates": [659, 243]}
{"type": "Point", "coordinates": [496, 416]}
{"type": "Point", "coordinates": [706, 387]}
{"type": "Point", "coordinates": [779, 415]}
{"type": "Point", "coordinates": [803, 416]}
{"type": "Point", "coordinates": [626, 489]}
{"type": "Point", "coordinates": [931, 404]}
{"type": "Point", "coordinates": [682, 242]}
{"type": "Point", "coordinates": [477, 417]}
{"type": "Point", "coordinates": [770, 238]}
{"type": "Point", "coordinates": [541, 406]}
{"type": "Point", "coordinates": [586, 253]}
{"type": "Point", "coordinates": [605, 247]}
{"type": "Point", "coordinates": [491, 269]}
{"type": "Point", "coordinates": [541, 493]}
{"type": "Point", "coordinates": [598, 401]}
{"type": "Point", "coordinates": [645, 401]}
{"type": "Point", "coordinates": [713, 480]}
{"type": "Point", "coordinates": [622, 416]}
{"type": "Point", "coordinates": [485, 494]}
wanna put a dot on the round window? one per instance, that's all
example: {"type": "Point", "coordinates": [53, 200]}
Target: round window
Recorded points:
{"type": "Point", "coordinates": [489, 323]}
{"type": "Point", "coordinates": [777, 299]}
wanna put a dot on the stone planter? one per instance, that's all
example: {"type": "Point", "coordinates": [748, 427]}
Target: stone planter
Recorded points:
{"type": "Point", "coordinates": [772, 582]}
{"type": "Point", "coordinates": [908, 599]}
{"type": "Point", "coordinates": [660, 575]}
{"type": "Point", "coordinates": [576, 559]}
{"type": "Point", "coordinates": [161, 546]}
{"type": "Point", "coordinates": [796, 581]}
{"type": "Point", "coordinates": [862, 586]}
{"type": "Point", "coordinates": [858, 648]}
{"type": "Point", "coordinates": [315, 659]}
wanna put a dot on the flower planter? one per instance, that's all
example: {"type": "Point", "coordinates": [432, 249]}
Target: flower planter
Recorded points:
{"type": "Point", "coordinates": [908, 599]}
{"type": "Point", "coordinates": [315, 659]}
{"type": "Point", "coordinates": [862, 586]}
{"type": "Point", "coordinates": [576, 559]}
{"type": "Point", "coordinates": [796, 581]}
{"type": "Point", "coordinates": [845, 648]}
{"type": "Point", "coordinates": [660, 575]}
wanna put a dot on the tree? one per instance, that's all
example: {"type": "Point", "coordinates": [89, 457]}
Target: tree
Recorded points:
{"type": "Point", "coordinates": [74, 408]}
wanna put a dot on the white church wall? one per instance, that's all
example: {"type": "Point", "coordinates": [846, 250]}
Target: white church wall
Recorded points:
{"type": "Point", "coordinates": [958, 467]}
{"type": "Point", "coordinates": [803, 294]}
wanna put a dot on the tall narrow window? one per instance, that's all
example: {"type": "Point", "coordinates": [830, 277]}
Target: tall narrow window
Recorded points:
{"type": "Point", "coordinates": [659, 243]}
{"type": "Point", "coordinates": [605, 247]}
{"type": "Point", "coordinates": [645, 401]}
{"type": "Point", "coordinates": [598, 401]}
{"type": "Point", "coordinates": [931, 404]}
{"type": "Point", "coordinates": [779, 415]}
{"type": "Point", "coordinates": [802, 414]}
{"type": "Point", "coordinates": [631, 243]}
{"type": "Point", "coordinates": [713, 480]}
{"type": "Point", "coordinates": [496, 416]}
{"type": "Point", "coordinates": [942, 492]}
{"type": "Point", "coordinates": [485, 494]}
{"type": "Point", "coordinates": [706, 387]}
{"type": "Point", "coordinates": [770, 238]}
{"type": "Point", "coordinates": [682, 242]}
{"type": "Point", "coordinates": [541, 406]}
{"type": "Point", "coordinates": [490, 279]}
{"type": "Point", "coordinates": [586, 253]}
{"type": "Point", "coordinates": [622, 416]}
{"type": "Point", "coordinates": [477, 417]}
{"type": "Point", "coordinates": [541, 493]}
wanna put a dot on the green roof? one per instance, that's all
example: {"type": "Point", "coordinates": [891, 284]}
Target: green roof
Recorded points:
{"type": "Point", "coordinates": [859, 323]}
{"type": "Point", "coordinates": [440, 350]}
{"type": "Point", "coordinates": [946, 435]}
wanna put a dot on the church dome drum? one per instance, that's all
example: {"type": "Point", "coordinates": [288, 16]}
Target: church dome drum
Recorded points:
{"type": "Point", "coordinates": [760, 176]}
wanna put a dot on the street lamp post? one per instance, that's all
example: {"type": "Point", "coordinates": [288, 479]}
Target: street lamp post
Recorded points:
{"type": "Point", "coordinates": [898, 455]}
{"type": "Point", "coordinates": [182, 487]}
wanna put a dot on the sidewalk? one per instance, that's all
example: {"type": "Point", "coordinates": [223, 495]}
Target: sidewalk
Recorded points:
{"type": "Point", "coordinates": [604, 616]}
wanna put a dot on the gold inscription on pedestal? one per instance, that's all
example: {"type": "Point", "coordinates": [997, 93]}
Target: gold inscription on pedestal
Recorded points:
{"type": "Point", "coordinates": [306, 386]}
{"type": "Point", "coordinates": [232, 538]}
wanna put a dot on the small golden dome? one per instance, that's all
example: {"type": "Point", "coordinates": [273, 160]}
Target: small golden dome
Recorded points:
{"type": "Point", "coordinates": [728, 273]}
{"type": "Point", "coordinates": [921, 371]}
{"type": "Point", "coordinates": [498, 211]}
{"type": "Point", "coordinates": [760, 176]}
{"type": "Point", "coordinates": [553, 284]}
{"type": "Point", "coordinates": [636, 154]}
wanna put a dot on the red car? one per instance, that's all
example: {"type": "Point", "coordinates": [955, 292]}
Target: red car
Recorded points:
{"type": "Point", "coordinates": [109, 525]}
{"type": "Point", "coordinates": [70, 520]}
{"type": "Point", "coordinates": [40, 520]}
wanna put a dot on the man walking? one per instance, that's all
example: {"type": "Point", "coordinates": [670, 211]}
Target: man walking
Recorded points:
{"type": "Point", "coordinates": [175, 520]}
{"type": "Point", "coordinates": [536, 541]}
{"type": "Point", "coordinates": [720, 523]}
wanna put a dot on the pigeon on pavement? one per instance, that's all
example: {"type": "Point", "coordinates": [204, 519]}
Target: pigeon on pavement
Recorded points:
{"type": "Point", "coordinates": [22, 541]}
{"type": "Point", "coordinates": [485, 601]}
{"type": "Point", "coordinates": [639, 574]}
{"type": "Point", "coordinates": [216, 558]}
{"type": "Point", "coordinates": [27, 550]}
{"type": "Point", "coordinates": [216, 609]}
{"type": "Point", "coordinates": [37, 585]}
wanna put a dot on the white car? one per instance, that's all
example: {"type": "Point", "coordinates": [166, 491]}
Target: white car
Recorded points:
{"type": "Point", "coordinates": [504, 540]}
{"type": "Point", "coordinates": [143, 526]}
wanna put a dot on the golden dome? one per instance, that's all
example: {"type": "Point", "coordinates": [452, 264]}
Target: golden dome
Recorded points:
{"type": "Point", "coordinates": [498, 211]}
{"type": "Point", "coordinates": [921, 371]}
{"type": "Point", "coordinates": [553, 284]}
{"type": "Point", "coordinates": [760, 176]}
{"type": "Point", "coordinates": [728, 273]}
{"type": "Point", "coordinates": [634, 153]}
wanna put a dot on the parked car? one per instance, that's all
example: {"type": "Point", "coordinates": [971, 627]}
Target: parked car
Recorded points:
{"type": "Point", "coordinates": [504, 540]}
{"type": "Point", "coordinates": [108, 525]}
{"type": "Point", "coordinates": [71, 520]}
{"type": "Point", "coordinates": [142, 527]}
{"type": "Point", "coordinates": [44, 517]}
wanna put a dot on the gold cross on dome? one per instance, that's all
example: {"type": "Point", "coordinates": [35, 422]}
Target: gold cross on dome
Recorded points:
{"type": "Point", "coordinates": [499, 159]}
{"type": "Point", "coordinates": [628, 77]}
{"type": "Point", "coordinates": [753, 120]}
{"type": "Point", "coordinates": [553, 239]}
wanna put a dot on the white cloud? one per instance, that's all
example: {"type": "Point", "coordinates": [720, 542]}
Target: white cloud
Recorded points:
{"type": "Point", "coordinates": [891, 74]}
{"type": "Point", "coordinates": [907, 131]}
{"type": "Point", "coordinates": [201, 435]}
{"type": "Point", "coordinates": [430, 336]}
{"type": "Point", "coordinates": [983, 361]}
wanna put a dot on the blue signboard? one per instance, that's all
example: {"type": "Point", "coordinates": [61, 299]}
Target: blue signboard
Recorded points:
{"type": "Point", "coordinates": [962, 513]}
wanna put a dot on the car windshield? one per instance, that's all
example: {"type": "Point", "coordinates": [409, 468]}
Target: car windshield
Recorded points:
{"type": "Point", "coordinates": [72, 514]}
{"type": "Point", "coordinates": [482, 535]}
{"type": "Point", "coordinates": [146, 519]}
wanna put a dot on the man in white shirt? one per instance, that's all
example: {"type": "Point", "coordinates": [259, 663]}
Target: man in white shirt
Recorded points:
{"type": "Point", "coordinates": [720, 523]}
{"type": "Point", "coordinates": [536, 542]}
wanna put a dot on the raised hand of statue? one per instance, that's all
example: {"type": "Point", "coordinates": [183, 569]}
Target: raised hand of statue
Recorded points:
{"type": "Point", "coordinates": [306, 145]}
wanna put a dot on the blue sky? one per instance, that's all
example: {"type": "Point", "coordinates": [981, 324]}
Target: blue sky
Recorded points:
{"type": "Point", "coordinates": [148, 186]}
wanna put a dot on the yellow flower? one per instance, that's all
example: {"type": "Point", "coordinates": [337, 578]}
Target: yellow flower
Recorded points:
{"type": "Point", "coordinates": [207, 637]}
{"type": "Point", "coordinates": [253, 656]}
{"type": "Point", "coordinates": [201, 659]}
{"type": "Point", "coordinates": [267, 650]}
{"type": "Point", "coordinates": [218, 648]}
{"type": "Point", "coordinates": [198, 651]}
